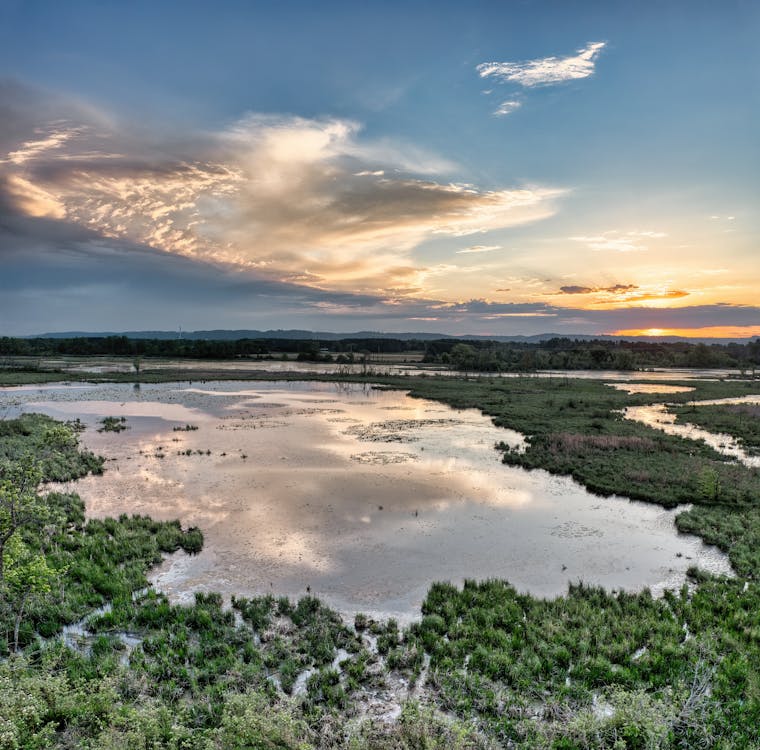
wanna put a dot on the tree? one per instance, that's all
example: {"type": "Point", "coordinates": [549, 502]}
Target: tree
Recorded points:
{"type": "Point", "coordinates": [27, 574]}
{"type": "Point", "coordinates": [623, 359]}
{"type": "Point", "coordinates": [19, 503]}
{"type": "Point", "coordinates": [753, 350]}
{"type": "Point", "coordinates": [463, 356]}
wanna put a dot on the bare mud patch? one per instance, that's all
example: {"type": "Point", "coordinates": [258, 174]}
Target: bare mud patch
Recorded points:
{"type": "Point", "coordinates": [381, 458]}
{"type": "Point", "coordinates": [397, 430]}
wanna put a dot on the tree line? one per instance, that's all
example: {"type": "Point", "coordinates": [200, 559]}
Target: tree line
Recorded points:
{"type": "Point", "coordinates": [475, 354]}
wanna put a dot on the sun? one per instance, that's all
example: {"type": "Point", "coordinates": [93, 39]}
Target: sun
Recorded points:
{"type": "Point", "coordinates": [653, 332]}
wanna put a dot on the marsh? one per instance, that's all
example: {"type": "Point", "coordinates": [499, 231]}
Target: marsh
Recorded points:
{"type": "Point", "coordinates": [360, 495]}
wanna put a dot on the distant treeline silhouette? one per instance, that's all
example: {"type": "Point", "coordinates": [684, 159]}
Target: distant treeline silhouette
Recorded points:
{"type": "Point", "coordinates": [475, 355]}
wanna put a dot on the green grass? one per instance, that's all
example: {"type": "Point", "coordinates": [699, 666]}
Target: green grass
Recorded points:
{"type": "Point", "coordinates": [497, 655]}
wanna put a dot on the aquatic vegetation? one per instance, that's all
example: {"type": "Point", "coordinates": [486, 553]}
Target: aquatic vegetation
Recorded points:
{"type": "Point", "coordinates": [52, 445]}
{"type": "Point", "coordinates": [90, 562]}
{"type": "Point", "coordinates": [113, 424]}
{"type": "Point", "coordinates": [509, 659]}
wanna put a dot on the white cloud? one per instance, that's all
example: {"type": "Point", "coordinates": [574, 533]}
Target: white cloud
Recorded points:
{"type": "Point", "coordinates": [507, 107]}
{"type": "Point", "coordinates": [619, 242]}
{"type": "Point", "coordinates": [546, 70]}
{"type": "Point", "coordinates": [478, 249]}
{"type": "Point", "coordinates": [31, 149]}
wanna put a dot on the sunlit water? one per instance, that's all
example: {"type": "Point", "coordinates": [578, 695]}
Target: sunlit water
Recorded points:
{"type": "Point", "coordinates": [659, 417]}
{"type": "Point", "coordinates": [361, 496]}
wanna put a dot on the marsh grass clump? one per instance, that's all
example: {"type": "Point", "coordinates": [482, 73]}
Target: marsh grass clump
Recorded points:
{"type": "Point", "coordinates": [389, 637]}
{"type": "Point", "coordinates": [360, 621]}
{"type": "Point", "coordinates": [295, 637]}
{"type": "Point", "coordinates": [505, 658]}
{"type": "Point", "coordinates": [256, 611]}
{"type": "Point", "coordinates": [113, 424]}
{"type": "Point", "coordinates": [185, 428]}
{"type": "Point", "coordinates": [52, 445]}
{"type": "Point", "coordinates": [324, 688]}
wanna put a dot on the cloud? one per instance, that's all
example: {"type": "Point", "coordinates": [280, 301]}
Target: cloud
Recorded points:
{"type": "Point", "coordinates": [664, 295]}
{"type": "Point", "coordinates": [615, 289]}
{"type": "Point", "coordinates": [57, 273]}
{"type": "Point", "coordinates": [627, 294]}
{"type": "Point", "coordinates": [507, 107]}
{"type": "Point", "coordinates": [576, 289]}
{"type": "Point", "coordinates": [546, 70]}
{"type": "Point", "coordinates": [271, 221]}
{"type": "Point", "coordinates": [619, 242]}
{"type": "Point", "coordinates": [478, 249]}
{"type": "Point", "coordinates": [295, 199]}
{"type": "Point", "coordinates": [62, 276]}
{"type": "Point", "coordinates": [30, 149]}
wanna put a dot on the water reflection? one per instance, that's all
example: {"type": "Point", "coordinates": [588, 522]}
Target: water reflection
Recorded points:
{"type": "Point", "coordinates": [365, 496]}
{"type": "Point", "coordinates": [650, 388]}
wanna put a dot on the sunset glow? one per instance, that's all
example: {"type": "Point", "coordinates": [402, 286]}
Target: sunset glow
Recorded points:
{"type": "Point", "coordinates": [727, 332]}
{"type": "Point", "coordinates": [247, 187]}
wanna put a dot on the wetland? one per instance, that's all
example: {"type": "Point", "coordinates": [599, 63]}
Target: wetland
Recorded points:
{"type": "Point", "coordinates": [362, 494]}
{"type": "Point", "coordinates": [380, 564]}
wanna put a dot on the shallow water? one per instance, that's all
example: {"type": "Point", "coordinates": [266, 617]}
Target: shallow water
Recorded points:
{"type": "Point", "coordinates": [650, 388]}
{"type": "Point", "coordinates": [658, 416]}
{"type": "Point", "coordinates": [361, 496]}
{"type": "Point", "coordinates": [185, 368]}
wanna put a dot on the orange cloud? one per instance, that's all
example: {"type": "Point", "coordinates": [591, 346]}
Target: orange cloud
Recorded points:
{"type": "Point", "coordinates": [291, 198]}
{"type": "Point", "coordinates": [670, 294]}
{"type": "Point", "coordinates": [619, 295]}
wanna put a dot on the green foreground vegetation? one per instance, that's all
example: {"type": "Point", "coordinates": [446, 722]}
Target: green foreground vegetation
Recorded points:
{"type": "Point", "coordinates": [490, 667]}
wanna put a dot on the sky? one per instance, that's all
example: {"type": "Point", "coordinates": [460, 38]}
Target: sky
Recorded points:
{"type": "Point", "coordinates": [496, 168]}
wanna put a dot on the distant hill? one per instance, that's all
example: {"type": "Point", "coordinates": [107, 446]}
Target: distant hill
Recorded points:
{"type": "Point", "coordinates": [301, 335]}
{"type": "Point", "coordinates": [234, 335]}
